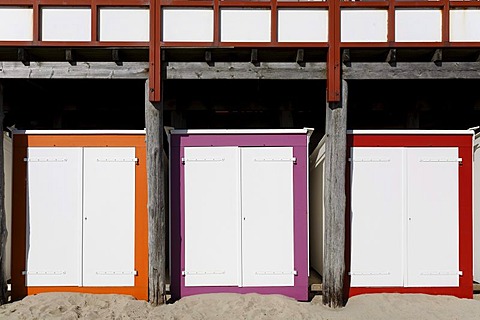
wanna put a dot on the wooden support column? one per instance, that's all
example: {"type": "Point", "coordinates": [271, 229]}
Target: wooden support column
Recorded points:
{"type": "Point", "coordinates": [156, 201]}
{"type": "Point", "coordinates": [335, 201]}
{"type": "Point", "coordinates": [3, 222]}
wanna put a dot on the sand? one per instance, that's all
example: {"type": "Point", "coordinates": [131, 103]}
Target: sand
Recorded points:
{"type": "Point", "coordinates": [236, 306]}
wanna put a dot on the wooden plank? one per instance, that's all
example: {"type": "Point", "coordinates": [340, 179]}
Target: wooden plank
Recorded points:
{"type": "Point", "coordinates": [3, 223]}
{"type": "Point", "coordinates": [335, 201]}
{"type": "Point", "coordinates": [82, 70]}
{"type": "Point", "coordinates": [156, 201]}
{"type": "Point", "coordinates": [246, 70]}
{"type": "Point", "coordinates": [411, 70]}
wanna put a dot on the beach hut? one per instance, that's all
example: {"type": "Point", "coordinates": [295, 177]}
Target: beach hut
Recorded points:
{"type": "Point", "coordinates": [80, 220]}
{"type": "Point", "coordinates": [239, 211]}
{"type": "Point", "coordinates": [409, 212]}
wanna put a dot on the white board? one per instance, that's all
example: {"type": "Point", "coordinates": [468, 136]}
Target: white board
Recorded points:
{"type": "Point", "coordinates": [54, 211]}
{"type": "Point", "coordinates": [267, 216]}
{"type": "Point", "coordinates": [124, 24]}
{"type": "Point", "coordinates": [377, 203]}
{"type": "Point", "coordinates": [66, 24]}
{"type": "Point", "coordinates": [364, 25]}
{"type": "Point", "coordinates": [16, 23]}
{"type": "Point", "coordinates": [302, 25]}
{"type": "Point", "coordinates": [109, 217]}
{"type": "Point", "coordinates": [418, 25]}
{"type": "Point", "coordinates": [432, 214]}
{"type": "Point", "coordinates": [187, 24]}
{"type": "Point", "coordinates": [245, 25]}
{"type": "Point", "coordinates": [212, 214]}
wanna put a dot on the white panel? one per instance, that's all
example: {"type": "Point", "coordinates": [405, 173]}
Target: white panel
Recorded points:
{"type": "Point", "coordinates": [464, 25]}
{"type": "Point", "coordinates": [302, 25]}
{"type": "Point", "coordinates": [212, 216]}
{"type": "Point", "coordinates": [432, 217]}
{"type": "Point", "coordinates": [124, 24]}
{"type": "Point", "coordinates": [54, 213]}
{"type": "Point", "coordinates": [316, 206]}
{"type": "Point", "coordinates": [16, 24]}
{"type": "Point", "coordinates": [476, 208]}
{"type": "Point", "coordinates": [377, 204]}
{"type": "Point", "coordinates": [360, 25]}
{"type": "Point", "coordinates": [418, 25]}
{"type": "Point", "coordinates": [187, 25]}
{"type": "Point", "coordinates": [66, 24]}
{"type": "Point", "coordinates": [109, 217]}
{"type": "Point", "coordinates": [267, 216]}
{"type": "Point", "coordinates": [245, 25]}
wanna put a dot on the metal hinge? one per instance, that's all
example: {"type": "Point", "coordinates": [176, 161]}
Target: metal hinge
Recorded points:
{"type": "Point", "coordinates": [459, 160]}
{"type": "Point", "coordinates": [203, 160]}
{"type": "Point", "coordinates": [294, 160]}
{"type": "Point", "coordinates": [369, 273]}
{"type": "Point", "coordinates": [44, 273]}
{"type": "Point", "coordinates": [276, 273]}
{"type": "Point", "coordinates": [44, 159]}
{"type": "Point", "coordinates": [368, 160]}
{"type": "Point", "coordinates": [442, 273]}
{"type": "Point", "coordinates": [118, 160]}
{"type": "Point", "coordinates": [200, 273]}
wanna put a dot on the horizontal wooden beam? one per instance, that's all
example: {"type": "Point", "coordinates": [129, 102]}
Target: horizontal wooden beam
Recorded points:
{"type": "Point", "coordinates": [412, 70]}
{"type": "Point", "coordinates": [245, 70]}
{"type": "Point", "coordinates": [83, 70]}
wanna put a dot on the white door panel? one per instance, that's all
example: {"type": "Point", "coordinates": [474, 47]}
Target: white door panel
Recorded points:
{"type": "Point", "coordinates": [109, 216]}
{"type": "Point", "coordinates": [376, 217]}
{"type": "Point", "coordinates": [432, 213]}
{"type": "Point", "coordinates": [267, 216]}
{"type": "Point", "coordinates": [54, 212]}
{"type": "Point", "coordinates": [212, 242]}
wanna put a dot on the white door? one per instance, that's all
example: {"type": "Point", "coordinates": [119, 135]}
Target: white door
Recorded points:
{"type": "Point", "coordinates": [377, 220]}
{"type": "Point", "coordinates": [432, 214]}
{"type": "Point", "coordinates": [212, 215]}
{"type": "Point", "coordinates": [109, 216]}
{"type": "Point", "coordinates": [267, 216]}
{"type": "Point", "coordinates": [54, 212]}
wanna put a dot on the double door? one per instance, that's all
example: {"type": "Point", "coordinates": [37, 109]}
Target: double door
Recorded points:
{"type": "Point", "coordinates": [404, 217]}
{"type": "Point", "coordinates": [238, 214]}
{"type": "Point", "coordinates": [80, 216]}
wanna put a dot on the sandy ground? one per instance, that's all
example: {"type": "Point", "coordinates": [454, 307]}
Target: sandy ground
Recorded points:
{"type": "Point", "coordinates": [235, 306]}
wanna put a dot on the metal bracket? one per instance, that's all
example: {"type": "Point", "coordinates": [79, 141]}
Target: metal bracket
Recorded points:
{"type": "Point", "coordinates": [43, 273]}
{"type": "Point", "coordinates": [203, 160]}
{"type": "Point", "coordinates": [294, 160]}
{"type": "Point", "coordinates": [118, 160]}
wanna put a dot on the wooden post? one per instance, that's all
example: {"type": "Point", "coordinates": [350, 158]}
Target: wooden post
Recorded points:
{"type": "Point", "coordinates": [3, 223]}
{"type": "Point", "coordinates": [156, 201]}
{"type": "Point", "coordinates": [335, 201]}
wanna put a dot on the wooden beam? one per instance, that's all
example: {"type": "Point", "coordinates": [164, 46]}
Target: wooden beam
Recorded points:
{"type": "Point", "coordinates": [208, 58]}
{"type": "Point", "coordinates": [23, 56]}
{"type": "Point", "coordinates": [244, 70]}
{"type": "Point", "coordinates": [411, 71]}
{"type": "Point", "coordinates": [3, 223]}
{"type": "Point", "coordinates": [437, 57]}
{"type": "Point", "coordinates": [335, 202]}
{"type": "Point", "coordinates": [83, 70]}
{"type": "Point", "coordinates": [346, 57]}
{"type": "Point", "coordinates": [254, 57]}
{"type": "Point", "coordinates": [70, 57]}
{"type": "Point", "coordinates": [156, 200]}
{"type": "Point", "coordinates": [392, 57]}
{"type": "Point", "coordinates": [300, 58]}
{"type": "Point", "coordinates": [116, 57]}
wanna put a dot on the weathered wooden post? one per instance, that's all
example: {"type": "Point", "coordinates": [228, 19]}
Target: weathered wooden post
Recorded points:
{"type": "Point", "coordinates": [335, 201]}
{"type": "Point", "coordinates": [3, 223]}
{"type": "Point", "coordinates": [156, 201]}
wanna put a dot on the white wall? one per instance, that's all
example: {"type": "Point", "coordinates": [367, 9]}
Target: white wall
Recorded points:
{"type": "Point", "coordinates": [316, 204]}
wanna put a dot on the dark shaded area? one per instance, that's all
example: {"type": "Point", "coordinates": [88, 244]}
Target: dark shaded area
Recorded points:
{"type": "Point", "coordinates": [237, 104]}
